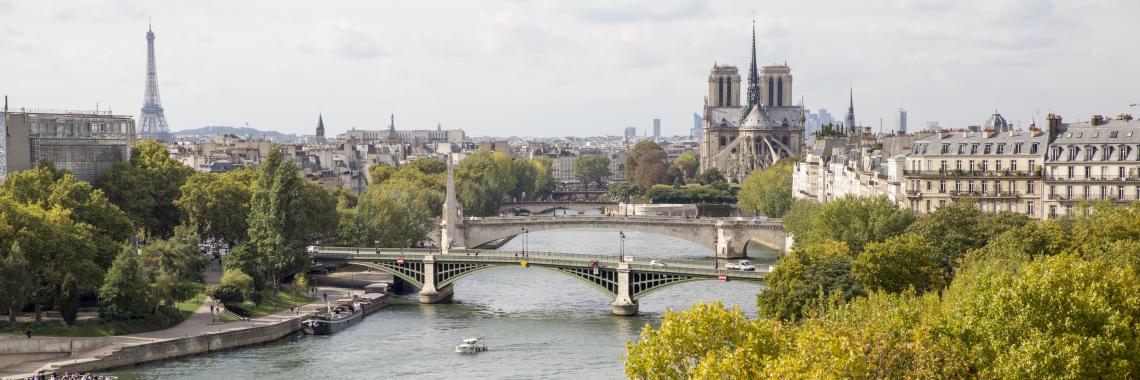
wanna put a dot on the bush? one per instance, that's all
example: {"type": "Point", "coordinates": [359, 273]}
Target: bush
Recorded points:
{"type": "Point", "coordinates": [239, 279]}
{"type": "Point", "coordinates": [228, 294]}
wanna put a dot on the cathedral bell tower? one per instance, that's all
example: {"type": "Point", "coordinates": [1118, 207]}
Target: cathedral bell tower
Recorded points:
{"type": "Point", "coordinates": [724, 86]}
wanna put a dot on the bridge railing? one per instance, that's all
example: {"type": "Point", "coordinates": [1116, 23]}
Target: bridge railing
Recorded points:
{"type": "Point", "coordinates": [710, 272]}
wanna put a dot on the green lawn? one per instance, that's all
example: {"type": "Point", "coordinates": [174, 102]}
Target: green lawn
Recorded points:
{"type": "Point", "coordinates": [274, 303]}
{"type": "Point", "coordinates": [109, 328]}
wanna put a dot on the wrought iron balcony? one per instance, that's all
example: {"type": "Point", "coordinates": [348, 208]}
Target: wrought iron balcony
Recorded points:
{"type": "Point", "coordinates": [971, 173]}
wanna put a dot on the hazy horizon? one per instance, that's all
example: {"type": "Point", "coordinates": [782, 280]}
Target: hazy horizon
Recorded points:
{"type": "Point", "coordinates": [544, 68]}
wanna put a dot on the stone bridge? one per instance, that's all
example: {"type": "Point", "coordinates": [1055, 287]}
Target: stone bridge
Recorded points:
{"type": "Point", "coordinates": [541, 207]}
{"type": "Point", "coordinates": [729, 237]}
{"type": "Point", "coordinates": [624, 281]}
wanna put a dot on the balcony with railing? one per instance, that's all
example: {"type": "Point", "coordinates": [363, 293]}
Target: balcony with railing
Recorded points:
{"type": "Point", "coordinates": [986, 194]}
{"type": "Point", "coordinates": [1092, 198]}
{"type": "Point", "coordinates": [949, 173]}
{"type": "Point", "coordinates": [1092, 178]}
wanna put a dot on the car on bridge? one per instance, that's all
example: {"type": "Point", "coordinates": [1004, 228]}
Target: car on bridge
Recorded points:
{"type": "Point", "coordinates": [743, 265]}
{"type": "Point", "coordinates": [657, 263]}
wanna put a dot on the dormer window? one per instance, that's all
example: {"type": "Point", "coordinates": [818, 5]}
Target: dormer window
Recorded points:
{"type": "Point", "coordinates": [1113, 134]}
{"type": "Point", "coordinates": [1000, 149]}
{"type": "Point", "coordinates": [1017, 148]}
{"type": "Point", "coordinates": [987, 148]}
{"type": "Point", "coordinates": [1033, 148]}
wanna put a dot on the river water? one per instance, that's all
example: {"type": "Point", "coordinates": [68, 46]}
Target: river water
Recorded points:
{"type": "Point", "coordinates": [538, 324]}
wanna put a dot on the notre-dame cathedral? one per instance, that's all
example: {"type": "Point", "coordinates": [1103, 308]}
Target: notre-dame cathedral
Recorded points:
{"type": "Point", "coordinates": [739, 139]}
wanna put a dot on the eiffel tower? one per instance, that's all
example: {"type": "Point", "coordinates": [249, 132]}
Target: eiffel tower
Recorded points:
{"type": "Point", "coordinates": [152, 123]}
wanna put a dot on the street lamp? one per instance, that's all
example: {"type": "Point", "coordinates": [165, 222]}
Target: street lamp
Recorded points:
{"type": "Point", "coordinates": [621, 254]}
{"type": "Point", "coordinates": [525, 234]}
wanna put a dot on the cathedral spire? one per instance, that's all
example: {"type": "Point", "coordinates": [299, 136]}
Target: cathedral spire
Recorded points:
{"type": "Point", "coordinates": [320, 125]}
{"type": "Point", "coordinates": [850, 120]}
{"type": "Point", "coordinates": [753, 74]}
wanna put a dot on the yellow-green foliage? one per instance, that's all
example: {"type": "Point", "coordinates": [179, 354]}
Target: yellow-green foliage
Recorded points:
{"type": "Point", "coordinates": [1054, 299]}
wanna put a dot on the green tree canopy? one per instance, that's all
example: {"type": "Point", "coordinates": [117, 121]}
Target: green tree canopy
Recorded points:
{"type": "Point", "coordinates": [856, 222]}
{"type": "Point", "coordinates": [125, 292]}
{"type": "Point", "coordinates": [689, 164]}
{"type": "Point", "coordinates": [768, 191]}
{"type": "Point", "coordinates": [646, 164]}
{"type": "Point", "coordinates": [483, 179]}
{"type": "Point", "coordinates": [286, 213]}
{"type": "Point", "coordinates": [592, 169]}
{"type": "Point", "coordinates": [526, 176]}
{"type": "Point", "coordinates": [381, 172]}
{"type": "Point", "coordinates": [146, 187]}
{"type": "Point", "coordinates": [217, 205]}
{"type": "Point", "coordinates": [543, 177]}
{"type": "Point", "coordinates": [898, 263]}
{"type": "Point", "coordinates": [958, 227]}
{"type": "Point", "coordinates": [387, 216]}
{"type": "Point", "coordinates": [705, 341]}
{"type": "Point", "coordinates": [14, 281]}
{"type": "Point", "coordinates": [804, 278]}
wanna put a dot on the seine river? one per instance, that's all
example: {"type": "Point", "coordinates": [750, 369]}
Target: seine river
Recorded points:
{"type": "Point", "coordinates": [538, 324]}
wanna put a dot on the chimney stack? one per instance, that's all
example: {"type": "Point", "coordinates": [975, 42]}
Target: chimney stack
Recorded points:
{"type": "Point", "coordinates": [1097, 120]}
{"type": "Point", "coordinates": [1053, 123]}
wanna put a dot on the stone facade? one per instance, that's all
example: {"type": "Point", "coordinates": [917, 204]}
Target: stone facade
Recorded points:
{"type": "Point", "coordinates": [1043, 173]}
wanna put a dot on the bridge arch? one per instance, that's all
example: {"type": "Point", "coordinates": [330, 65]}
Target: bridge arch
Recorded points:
{"type": "Point", "coordinates": [605, 282]}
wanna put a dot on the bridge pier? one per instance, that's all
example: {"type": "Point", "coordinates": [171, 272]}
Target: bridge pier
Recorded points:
{"type": "Point", "coordinates": [623, 305]}
{"type": "Point", "coordinates": [430, 293]}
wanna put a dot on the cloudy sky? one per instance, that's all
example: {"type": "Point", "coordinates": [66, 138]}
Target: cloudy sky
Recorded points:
{"type": "Point", "coordinates": [557, 68]}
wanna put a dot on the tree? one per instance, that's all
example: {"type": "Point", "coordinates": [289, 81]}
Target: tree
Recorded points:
{"type": "Point", "coordinates": [646, 164]}
{"type": "Point", "coordinates": [624, 191]}
{"type": "Point", "coordinates": [483, 179]}
{"type": "Point", "coordinates": [46, 188]}
{"type": "Point", "coordinates": [1053, 317]}
{"type": "Point", "coordinates": [593, 169]}
{"type": "Point", "coordinates": [803, 279]}
{"type": "Point", "coordinates": [428, 166]}
{"type": "Point", "coordinates": [689, 164]}
{"type": "Point", "coordinates": [525, 176]}
{"type": "Point", "coordinates": [706, 338]}
{"type": "Point", "coordinates": [227, 294]}
{"type": "Point", "coordinates": [380, 172]}
{"type": "Point", "coordinates": [857, 221]}
{"type": "Point", "coordinates": [958, 227]}
{"type": "Point", "coordinates": [146, 187]}
{"type": "Point", "coordinates": [178, 256]}
{"type": "Point", "coordinates": [798, 218]}
{"type": "Point", "coordinates": [14, 281]}
{"type": "Point", "coordinates": [217, 206]}
{"type": "Point", "coordinates": [543, 177]}
{"type": "Point", "coordinates": [711, 176]}
{"type": "Point", "coordinates": [651, 169]}
{"type": "Point", "coordinates": [125, 291]}
{"type": "Point", "coordinates": [279, 223]}
{"type": "Point", "coordinates": [387, 217]}
{"type": "Point", "coordinates": [768, 191]}
{"type": "Point", "coordinates": [898, 263]}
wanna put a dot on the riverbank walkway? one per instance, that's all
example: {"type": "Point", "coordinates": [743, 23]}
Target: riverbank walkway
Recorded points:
{"type": "Point", "coordinates": [198, 323]}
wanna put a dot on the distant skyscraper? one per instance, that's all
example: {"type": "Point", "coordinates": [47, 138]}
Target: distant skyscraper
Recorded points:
{"type": "Point", "coordinates": [825, 117]}
{"type": "Point", "coordinates": [656, 127]}
{"type": "Point", "coordinates": [630, 132]}
{"type": "Point", "coordinates": [900, 123]}
{"type": "Point", "coordinates": [152, 122]}
{"type": "Point", "coordinates": [933, 126]}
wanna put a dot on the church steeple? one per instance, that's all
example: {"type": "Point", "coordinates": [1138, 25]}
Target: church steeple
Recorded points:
{"type": "Point", "coordinates": [392, 128]}
{"type": "Point", "coordinates": [320, 125]}
{"type": "Point", "coordinates": [753, 74]}
{"type": "Point", "coordinates": [850, 120]}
